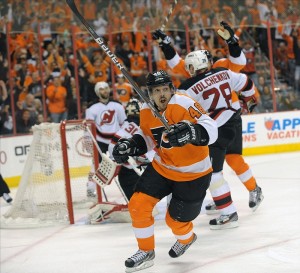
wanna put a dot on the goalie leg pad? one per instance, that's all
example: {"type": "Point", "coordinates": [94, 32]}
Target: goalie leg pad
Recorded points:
{"type": "Point", "coordinates": [111, 212]}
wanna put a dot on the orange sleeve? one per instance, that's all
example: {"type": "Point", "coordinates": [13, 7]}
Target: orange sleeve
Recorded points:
{"type": "Point", "coordinates": [89, 67]}
{"type": "Point", "coordinates": [179, 68]}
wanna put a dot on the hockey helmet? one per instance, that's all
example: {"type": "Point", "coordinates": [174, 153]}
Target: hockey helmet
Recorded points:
{"type": "Point", "coordinates": [158, 78]}
{"type": "Point", "coordinates": [199, 59]}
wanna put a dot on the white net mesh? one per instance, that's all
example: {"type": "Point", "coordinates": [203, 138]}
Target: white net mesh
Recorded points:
{"type": "Point", "coordinates": [41, 196]}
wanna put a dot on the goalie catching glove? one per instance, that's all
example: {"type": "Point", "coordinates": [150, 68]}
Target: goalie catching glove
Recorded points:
{"type": "Point", "coordinates": [227, 34]}
{"type": "Point", "coordinates": [186, 132]}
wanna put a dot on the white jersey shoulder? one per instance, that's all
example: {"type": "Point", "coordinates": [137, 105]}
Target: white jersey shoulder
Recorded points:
{"type": "Point", "coordinates": [214, 90]}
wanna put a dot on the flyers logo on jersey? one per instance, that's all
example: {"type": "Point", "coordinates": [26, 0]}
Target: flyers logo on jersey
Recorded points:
{"type": "Point", "coordinates": [107, 117]}
{"type": "Point", "coordinates": [122, 92]}
{"type": "Point", "coordinates": [160, 137]}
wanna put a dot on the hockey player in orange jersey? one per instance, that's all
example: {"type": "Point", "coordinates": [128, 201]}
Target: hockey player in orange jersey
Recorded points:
{"type": "Point", "coordinates": [181, 166]}
{"type": "Point", "coordinates": [235, 62]}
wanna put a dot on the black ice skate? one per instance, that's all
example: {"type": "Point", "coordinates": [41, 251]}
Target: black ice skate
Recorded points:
{"type": "Point", "coordinates": [211, 208]}
{"type": "Point", "coordinates": [140, 260]}
{"type": "Point", "coordinates": [225, 221]}
{"type": "Point", "coordinates": [178, 249]}
{"type": "Point", "coordinates": [255, 198]}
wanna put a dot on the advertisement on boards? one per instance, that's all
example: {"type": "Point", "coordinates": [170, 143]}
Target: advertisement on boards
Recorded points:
{"type": "Point", "coordinates": [13, 154]}
{"type": "Point", "coordinates": [264, 132]}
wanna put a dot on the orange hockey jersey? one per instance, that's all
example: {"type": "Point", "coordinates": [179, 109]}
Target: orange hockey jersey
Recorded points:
{"type": "Point", "coordinates": [178, 163]}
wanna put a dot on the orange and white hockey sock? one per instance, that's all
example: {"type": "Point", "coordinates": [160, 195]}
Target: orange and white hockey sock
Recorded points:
{"type": "Point", "coordinates": [140, 207]}
{"type": "Point", "coordinates": [242, 170]}
{"type": "Point", "coordinates": [183, 231]}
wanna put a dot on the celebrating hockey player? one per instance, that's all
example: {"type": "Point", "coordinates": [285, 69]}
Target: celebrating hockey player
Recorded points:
{"type": "Point", "coordinates": [235, 62]}
{"type": "Point", "coordinates": [181, 166]}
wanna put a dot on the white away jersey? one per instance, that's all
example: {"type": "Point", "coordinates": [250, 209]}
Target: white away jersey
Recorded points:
{"type": "Point", "coordinates": [108, 119]}
{"type": "Point", "coordinates": [213, 91]}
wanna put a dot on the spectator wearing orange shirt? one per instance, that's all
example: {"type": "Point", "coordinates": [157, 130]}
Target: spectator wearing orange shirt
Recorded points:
{"type": "Point", "coordinates": [137, 63]}
{"type": "Point", "coordinates": [56, 95]}
{"type": "Point", "coordinates": [124, 90]}
{"type": "Point", "coordinates": [97, 70]}
{"type": "Point", "coordinates": [90, 10]}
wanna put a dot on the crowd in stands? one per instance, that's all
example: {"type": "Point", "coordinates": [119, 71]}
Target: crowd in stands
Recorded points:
{"type": "Point", "coordinates": [49, 64]}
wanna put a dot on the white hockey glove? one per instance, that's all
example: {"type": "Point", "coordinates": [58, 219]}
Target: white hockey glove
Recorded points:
{"type": "Point", "coordinates": [227, 34]}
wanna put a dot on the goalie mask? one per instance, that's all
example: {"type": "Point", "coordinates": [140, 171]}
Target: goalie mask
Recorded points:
{"type": "Point", "coordinates": [197, 60]}
{"type": "Point", "coordinates": [132, 111]}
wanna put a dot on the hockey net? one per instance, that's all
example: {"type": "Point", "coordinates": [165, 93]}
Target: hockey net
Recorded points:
{"type": "Point", "coordinates": [53, 186]}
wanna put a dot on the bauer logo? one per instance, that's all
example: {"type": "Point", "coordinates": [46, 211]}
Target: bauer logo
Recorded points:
{"type": "Point", "coordinates": [282, 124]}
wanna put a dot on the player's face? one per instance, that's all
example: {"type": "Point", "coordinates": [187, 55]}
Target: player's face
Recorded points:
{"type": "Point", "coordinates": [104, 93]}
{"type": "Point", "coordinates": [161, 95]}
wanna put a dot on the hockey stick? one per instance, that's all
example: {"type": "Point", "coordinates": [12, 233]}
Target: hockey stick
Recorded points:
{"type": "Point", "coordinates": [163, 26]}
{"type": "Point", "coordinates": [121, 190]}
{"type": "Point", "coordinates": [113, 57]}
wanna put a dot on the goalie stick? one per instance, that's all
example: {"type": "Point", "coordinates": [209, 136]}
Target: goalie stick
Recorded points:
{"type": "Point", "coordinates": [113, 57]}
{"type": "Point", "coordinates": [163, 26]}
